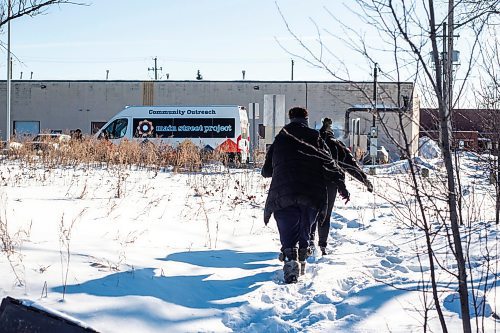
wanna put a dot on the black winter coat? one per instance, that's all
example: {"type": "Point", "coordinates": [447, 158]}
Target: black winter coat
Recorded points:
{"type": "Point", "coordinates": [342, 155]}
{"type": "Point", "coordinates": [300, 165]}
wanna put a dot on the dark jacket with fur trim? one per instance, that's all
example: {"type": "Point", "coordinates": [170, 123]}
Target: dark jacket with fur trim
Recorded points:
{"type": "Point", "coordinates": [300, 165]}
{"type": "Point", "coordinates": [342, 155]}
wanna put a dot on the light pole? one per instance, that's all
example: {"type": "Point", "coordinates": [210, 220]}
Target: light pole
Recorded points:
{"type": "Point", "coordinates": [8, 74]}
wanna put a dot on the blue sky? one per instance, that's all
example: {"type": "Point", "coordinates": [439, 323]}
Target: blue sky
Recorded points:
{"type": "Point", "coordinates": [219, 37]}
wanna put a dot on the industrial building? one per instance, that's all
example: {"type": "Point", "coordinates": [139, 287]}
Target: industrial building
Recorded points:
{"type": "Point", "coordinates": [473, 129]}
{"type": "Point", "coordinates": [44, 106]}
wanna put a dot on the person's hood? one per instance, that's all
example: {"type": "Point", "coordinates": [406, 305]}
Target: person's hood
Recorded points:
{"type": "Point", "coordinates": [304, 121]}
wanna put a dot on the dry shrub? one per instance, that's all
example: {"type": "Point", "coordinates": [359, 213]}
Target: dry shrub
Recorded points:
{"type": "Point", "coordinates": [166, 155]}
{"type": "Point", "coordinates": [217, 156]}
{"type": "Point", "coordinates": [188, 157]}
{"type": "Point", "coordinates": [20, 150]}
{"type": "Point", "coordinates": [128, 152]}
{"type": "Point", "coordinates": [89, 151]}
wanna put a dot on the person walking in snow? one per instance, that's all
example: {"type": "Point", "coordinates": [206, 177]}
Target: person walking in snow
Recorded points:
{"type": "Point", "coordinates": [342, 155]}
{"type": "Point", "coordinates": [300, 165]}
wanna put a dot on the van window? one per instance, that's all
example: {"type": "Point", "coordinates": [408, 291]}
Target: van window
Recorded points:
{"type": "Point", "coordinates": [95, 126]}
{"type": "Point", "coordinates": [116, 129]}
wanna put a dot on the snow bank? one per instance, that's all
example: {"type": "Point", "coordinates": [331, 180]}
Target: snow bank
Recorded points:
{"type": "Point", "coordinates": [403, 166]}
{"type": "Point", "coordinates": [428, 148]}
{"type": "Point", "coordinates": [188, 252]}
{"type": "Point", "coordinates": [55, 313]}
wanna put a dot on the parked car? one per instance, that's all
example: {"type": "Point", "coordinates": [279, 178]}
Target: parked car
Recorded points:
{"type": "Point", "coordinates": [43, 141]}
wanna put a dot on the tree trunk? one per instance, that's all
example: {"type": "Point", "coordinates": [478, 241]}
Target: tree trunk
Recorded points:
{"type": "Point", "coordinates": [497, 182]}
{"type": "Point", "coordinates": [445, 118]}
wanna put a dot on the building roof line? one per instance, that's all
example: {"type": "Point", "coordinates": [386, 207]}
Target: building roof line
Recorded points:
{"type": "Point", "coordinates": [210, 81]}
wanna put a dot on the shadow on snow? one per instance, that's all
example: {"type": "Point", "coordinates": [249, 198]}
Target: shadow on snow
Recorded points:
{"type": "Point", "coordinates": [359, 305]}
{"type": "Point", "coordinates": [223, 258]}
{"type": "Point", "coordinates": [193, 291]}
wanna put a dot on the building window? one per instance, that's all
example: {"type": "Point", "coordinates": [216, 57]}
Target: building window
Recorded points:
{"type": "Point", "coordinates": [26, 128]}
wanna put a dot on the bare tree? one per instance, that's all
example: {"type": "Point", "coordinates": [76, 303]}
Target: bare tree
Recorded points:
{"type": "Point", "coordinates": [410, 30]}
{"type": "Point", "coordinates": [19, 8]}
{"type": "Point", "coordinates": [488, 98]}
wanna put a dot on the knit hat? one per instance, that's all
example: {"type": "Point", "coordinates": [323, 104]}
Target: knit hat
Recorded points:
{"type": "Point", "coordinates": [297, 112]}
{"type": "Point", "coordinates": [327, 122]}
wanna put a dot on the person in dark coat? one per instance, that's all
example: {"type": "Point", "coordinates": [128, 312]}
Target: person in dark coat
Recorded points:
{"type": "Point", "coordinates": [300, 165]}
{"type": "Point", "coordinates": [342, 155]}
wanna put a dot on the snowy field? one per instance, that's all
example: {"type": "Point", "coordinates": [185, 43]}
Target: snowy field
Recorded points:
{"type": "Point", "coordinates": [127, 250]}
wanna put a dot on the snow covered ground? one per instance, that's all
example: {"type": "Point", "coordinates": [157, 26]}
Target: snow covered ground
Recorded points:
{"type": "Point", "coordinates": [126, 250]}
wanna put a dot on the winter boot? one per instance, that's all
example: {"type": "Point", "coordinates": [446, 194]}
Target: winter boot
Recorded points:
{"type": "Point", "coordinates": [323, 250]}
{"type": "Point", "coordinates": [303, 254]}
{"type": "Point", "coordinates": [291, 267]}
{"type": "Point", "coordinates": [311, 249]}
{"type": "Point", "coordinates": [281, 256]}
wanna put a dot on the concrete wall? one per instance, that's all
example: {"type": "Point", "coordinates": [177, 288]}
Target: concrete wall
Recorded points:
{"type": "Point", "coordinates": [66, 105]}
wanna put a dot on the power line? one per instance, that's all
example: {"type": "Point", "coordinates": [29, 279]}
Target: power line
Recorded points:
{"type": "Point", "coordinates": [82, 61]}
{"type": "Point", "coordinates": [143, 59]}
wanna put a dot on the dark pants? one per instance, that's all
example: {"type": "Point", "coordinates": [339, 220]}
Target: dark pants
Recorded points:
{"type": "Point", "coordinates": [294, 225]}
{"type": "Point", "coordinates": [324, 226]}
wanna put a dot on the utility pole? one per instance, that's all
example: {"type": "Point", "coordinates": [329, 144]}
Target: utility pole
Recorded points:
{"type": "Point", "coordinates": [374, 95]}
{"type": "Point", "coordinates": [445, 66]}
{"type": "Point", "coordinates": [497, 218]}
{"type": "Point", "coordinates": [374, 129]}
{"type": "Point", "coordinates": [447, 62]}
{"type": "Point", "coordinates": [155, 68]}
{"type": "Point", "coordinates": [9, 73]}
{"type": "Point", "coordinates": [446, 140]}
{"type": "Point", "coordinates": [293, 63]}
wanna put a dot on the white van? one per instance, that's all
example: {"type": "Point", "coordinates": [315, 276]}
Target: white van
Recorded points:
{"type": "Point", "coordinates": [214, 127]}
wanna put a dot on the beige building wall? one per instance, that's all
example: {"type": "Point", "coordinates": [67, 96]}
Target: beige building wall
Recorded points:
{"type": "Point", "coordinates": [67, 105]}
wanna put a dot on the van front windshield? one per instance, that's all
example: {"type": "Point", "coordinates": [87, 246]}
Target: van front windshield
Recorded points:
{"type": "Point", "coordinates": [116, 130]}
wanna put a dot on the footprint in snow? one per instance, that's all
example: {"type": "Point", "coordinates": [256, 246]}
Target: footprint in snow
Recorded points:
{"type": "Point", "coordinates": [347, 284]}
{"type": "Point", "coordinates": [266, 299]}
{"type": "Point", "coordinates": [380, 249]}
{"type": "Point", "coordinates": [394, 260]}
{"type": "Point", "coordinates": [386, 263]}
{"type": "Point", "coordinates": [379, 273]}
{"type": "Point", "coordinates": [354, 224]}
{"type": "Point", "coordinates": [416, 268]}
{"type": "Point", "coordinates": [401, 268]}
{"type": "Point", "coordinates": [339, 218]}
{"type": "Point", "coordinates": [336, 225]}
